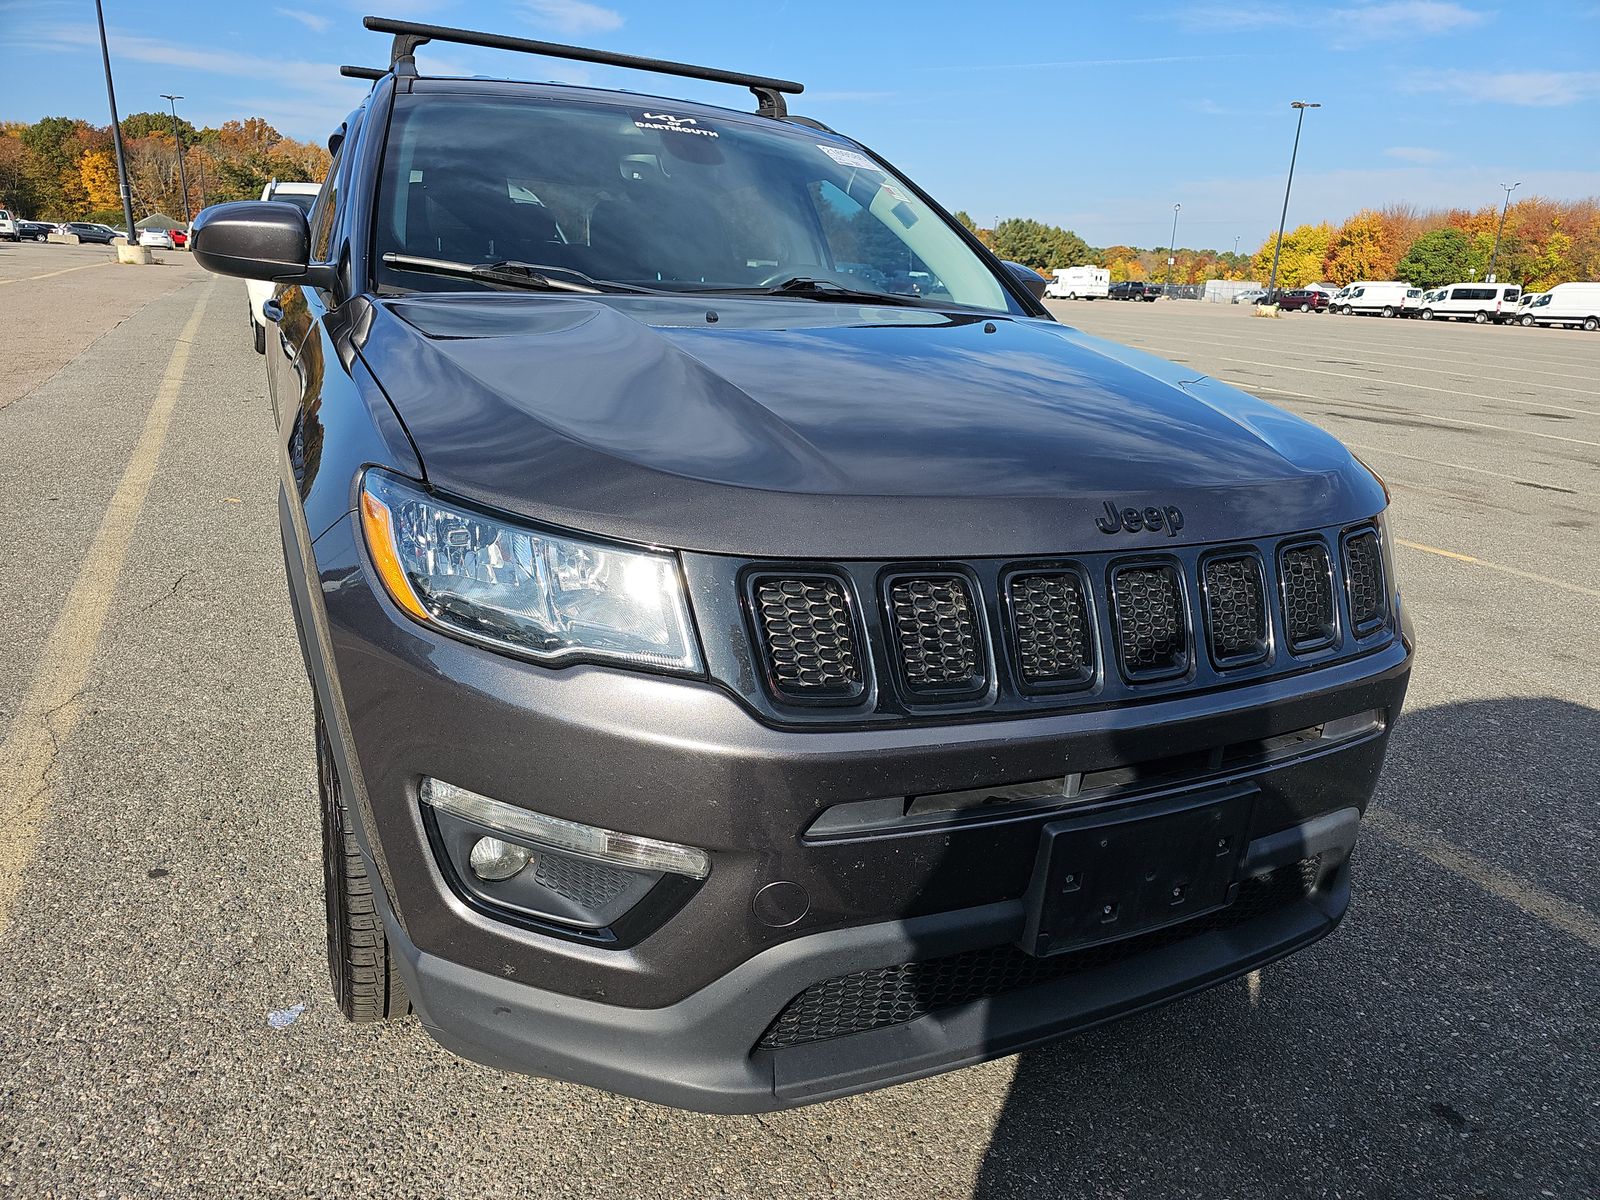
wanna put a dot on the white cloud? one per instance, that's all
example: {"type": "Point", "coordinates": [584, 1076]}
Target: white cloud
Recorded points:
{"type": "Point", "coordinates": [1345, 25]}
{"type": "Point", "coordinates": [1533, 89]}
{"type": "Point", "coordinates": [1415, 154]}
{"type": "Point", "coordinates": [573, 16]}
{"type": "Point", "coordinates": [310, 20]}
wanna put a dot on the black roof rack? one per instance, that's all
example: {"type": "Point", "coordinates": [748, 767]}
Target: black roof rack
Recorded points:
{"type": "Point", "coordinates": [362, 72]}
{"type": "Point", "coordinates": [408, 35]}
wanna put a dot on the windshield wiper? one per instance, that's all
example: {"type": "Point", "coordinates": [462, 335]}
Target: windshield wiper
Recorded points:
{"type": "Point", "coordinates": [808, 288]}
{"type": "Point", "coordinates": [515, 274]}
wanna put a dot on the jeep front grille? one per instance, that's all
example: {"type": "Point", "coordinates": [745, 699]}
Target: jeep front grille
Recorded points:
{"type": "Point", "coordinates": [1236, 609]}
{"type": "Point", "coordinates": [808, 636]}
{"type": "Point", "coordinates": [936, 634]}
{"type": "Point", "coordinates": [1152, 632]}
{"type": "Point", "coordinates": [1363, 579]}
{"type": "Point", "coordinates": [1307, 583]}
{"type": "Point", "coordinates": [1051, 621]}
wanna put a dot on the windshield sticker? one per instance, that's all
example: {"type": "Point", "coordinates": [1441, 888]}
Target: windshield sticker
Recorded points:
{"type": "Point", "coordinates": [667, 123]}
{"type": "Point", "coordinates": [849, 158]}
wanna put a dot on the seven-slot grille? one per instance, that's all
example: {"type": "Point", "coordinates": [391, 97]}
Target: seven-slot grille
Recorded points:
{"type": "Point", "coordinates": [1307, 596]}
{"type": "Point", "coordinates": [936, 633]}
{"type": "Point", "coordinates": [1152, 634]}
{"type": "Point", "coordinates": [808, 636]}
{"type": "Point", "coordinates": [1236, 609]}
{"type": "Point", "coordinates": [1052, 622]}
{"type": "Point", "coordinates": [1363, 579]}
{"type": "Point", "coordinates": [932, 634]}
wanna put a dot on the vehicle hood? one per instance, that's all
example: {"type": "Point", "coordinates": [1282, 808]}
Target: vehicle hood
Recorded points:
{"type": "Point", "coordinates": [818, 430]}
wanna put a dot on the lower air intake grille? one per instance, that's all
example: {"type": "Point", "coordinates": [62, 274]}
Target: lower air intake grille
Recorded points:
{"type": "Point", "coordinates": [1051, 620]}
{"type": "Point", "coordinates": [808, 637]}
{"type": "Point", "coordinates": [1363, 577]}
{"type": "Point", "coordinates": [1236, 609]}
{"type": "Point", "coordinates": [1151, 635]}
{"type": "Point", "coordinates": [1307, 596]}
{"type": "Point", "coordinates": [894, 995]}
{"type": "Point", "coordinates": [936, 634]}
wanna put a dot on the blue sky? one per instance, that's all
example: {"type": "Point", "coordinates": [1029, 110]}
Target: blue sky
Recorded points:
{"type": "Point", "coordinates": [1095, 117]}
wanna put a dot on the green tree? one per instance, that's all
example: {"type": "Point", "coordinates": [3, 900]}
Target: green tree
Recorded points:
{"type": "Point", "coordinates": [1437, 258]}
{"type": "Point", "coordinates": [1040, 246]}
{"type": "Point", "coordinates": [964, 219]}
{"type": "Point", "coordinates": [143, 125]}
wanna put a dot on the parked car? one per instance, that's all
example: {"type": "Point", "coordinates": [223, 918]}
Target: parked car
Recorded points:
{"type": "Point", "coordinates": [8, 227]}
{"type": "Point", "coordinates": [1133, 289]}
{"type": "Point", "coordinates": [1480, 302]}
{"type": "Point", "coordinates": [1079, 283]}
{"type": "Point", "coordinates": [1573, 304]}
{"type": "Point", "coordinates": [731, 697]}
{"type": "Point", "coordinates": [1250, 296]}
{"type": "Point", "coordinates": [1386, 298]}
{"type": "Point", "coordinates": [1303, 300]}
{"type": "Point", "coordinates": [302, 195]}
{"type": "Point", "coordinates": [158, 238]}
{"type": "Point", "coordinates": [33, 231]}
{"type": "Point", "coordinates": [88, 231]}
{"type": "Point", "coordinates": [180, 238]}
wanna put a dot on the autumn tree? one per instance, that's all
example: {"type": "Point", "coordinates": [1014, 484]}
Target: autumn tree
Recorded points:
{"type": "Point", "coordinates": [1362, 249]}
{"type": "Point", "coordinates": [1305, 248]}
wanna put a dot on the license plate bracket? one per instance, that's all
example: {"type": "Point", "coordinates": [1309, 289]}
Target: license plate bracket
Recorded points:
{"type": "Point", "coordinates": [1101, 878]}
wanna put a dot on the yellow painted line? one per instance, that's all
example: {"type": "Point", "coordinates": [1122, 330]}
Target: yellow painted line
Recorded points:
{"type": "Point", "coordinates": [54, 702]}
{"type": "Point", "coordinates": [1577, 588]}
{"type": "Point", "coordinates": [1569, 918]}
{"type": "Point", "coordinates": [1253, 388]}
{"type": "Point", "coordinates": [52, 274]}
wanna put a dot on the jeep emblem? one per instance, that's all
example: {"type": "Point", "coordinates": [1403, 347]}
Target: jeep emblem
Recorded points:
{"type": "Point", "coordinates": [1133, 520]}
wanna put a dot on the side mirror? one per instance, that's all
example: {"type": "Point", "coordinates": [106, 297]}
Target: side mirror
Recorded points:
{"type": "Point", "coordinates": [1028, 278]}
{"type": "Point", "coordinates": [255, 239]}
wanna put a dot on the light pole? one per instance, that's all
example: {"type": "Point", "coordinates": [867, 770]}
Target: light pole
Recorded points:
{"type": "Point", "coordinates": [116, 130]}
{"type": "Point", "coordinates": [1272, 284]}
{"type": "Point", "coordinates": [1495, 253]}
{"type": "Point", "coordinates": [1172, 247]}
{"type": "Point", "coordinates": [177, 137]}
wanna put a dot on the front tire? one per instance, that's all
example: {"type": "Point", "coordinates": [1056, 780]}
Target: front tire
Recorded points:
{"type": "Point", "coordinates": [366, 983]}
{"type": "Point", "coordinates": [1526, 322]}
{"type": "Point", "coordinates": [1590, 324]}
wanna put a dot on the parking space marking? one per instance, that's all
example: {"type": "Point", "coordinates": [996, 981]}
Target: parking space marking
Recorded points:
{"type": "Point", "coordinates": [1434, 366]}
{"type": "Point", "coordinates": [50, 710]}
{"type": "Point", "coordinates": [52, 274]}
{"type": "Point", "coordinates": [1382, 451]}
{"type": "Point", "coordinates": [1569, 918]}
{"type": "Point", "coordinates": [1254, 388]}
{"type": "Point", "coordinates": [1546, 580]}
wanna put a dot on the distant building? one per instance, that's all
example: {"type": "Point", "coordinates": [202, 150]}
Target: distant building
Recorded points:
{"type": "Point", "coordinates": [1222, 291]}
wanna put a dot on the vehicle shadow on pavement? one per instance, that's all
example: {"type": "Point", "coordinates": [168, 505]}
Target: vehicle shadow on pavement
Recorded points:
{"type": "Point", "coordinates": [1439, 1043]}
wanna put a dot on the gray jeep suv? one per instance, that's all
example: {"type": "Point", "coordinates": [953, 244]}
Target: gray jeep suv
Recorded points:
{"type": "Point", "coordinates": [740, 683]}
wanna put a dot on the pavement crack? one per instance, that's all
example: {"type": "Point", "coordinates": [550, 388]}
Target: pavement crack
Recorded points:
{"type": "Point", "coordinates": [822, 1163]}
{"type": "Point", "coordinates": [162, 599]}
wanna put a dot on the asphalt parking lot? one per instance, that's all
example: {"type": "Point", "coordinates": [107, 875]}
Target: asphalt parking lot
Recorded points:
{"type": "Point", "coordinates": [160, 885]}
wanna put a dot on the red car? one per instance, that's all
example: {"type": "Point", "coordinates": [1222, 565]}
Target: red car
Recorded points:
{"type": "Point", "coordinates": [1308, 299]}
{"type": "Point", "coordinates": [180, 238]}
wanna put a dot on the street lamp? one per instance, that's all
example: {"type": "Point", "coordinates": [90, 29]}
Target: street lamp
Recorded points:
{"type": "Point", "coordinates": [116, 131]}
{"type": "Point", "coordinates": [1272, 284]}
{"type": "Point", "coordinates": [177, 137]}
{"type": "Point", "coordinates": [1493, 254]}
{"type": "Point", "coordinates": [1172, 247]}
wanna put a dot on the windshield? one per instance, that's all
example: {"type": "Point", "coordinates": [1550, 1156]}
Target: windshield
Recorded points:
{"type": "Point", "coordinates": [649, 197]}
{"type": "Point", "coordinates": [301, 200]}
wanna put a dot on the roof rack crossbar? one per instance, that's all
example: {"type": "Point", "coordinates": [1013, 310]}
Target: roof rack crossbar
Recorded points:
{"type": "Point", "coordinates": [408, 35]}
{"type": "Point", "coordinates": [350, 72]}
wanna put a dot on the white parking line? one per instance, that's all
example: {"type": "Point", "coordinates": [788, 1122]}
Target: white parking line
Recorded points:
{"type": "Point", "coordinates": [1385, 452]}
{"type": "Point", "coordinates": [52, 274]}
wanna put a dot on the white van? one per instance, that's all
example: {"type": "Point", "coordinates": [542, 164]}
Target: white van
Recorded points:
{"type": "Point", "coordinates": [8, 227]}
{"type": "Point", "coordinates": [1385, 297]}
{"type": "Point", "coordinates": [1482, 302]}
{"type": "Point", "coordinates": [1566, 304]}
{"type": "Point", "coordinates": [1078, 283]}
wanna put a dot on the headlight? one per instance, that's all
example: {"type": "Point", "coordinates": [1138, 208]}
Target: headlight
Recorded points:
{"type": "Point", "coordinates": [536, 593]}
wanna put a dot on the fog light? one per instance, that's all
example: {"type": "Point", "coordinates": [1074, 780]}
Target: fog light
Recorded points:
{"type": "Point", "coordinates": [494, 860]}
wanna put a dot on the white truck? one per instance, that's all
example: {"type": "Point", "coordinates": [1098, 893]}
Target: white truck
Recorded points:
{"type": "Point", "coordinates": [1079, 283]}
{"type": "Point", "coordinates": [1565, 304]}
{"type": "Point", "coordinates": [1385, 297]}
{"type": "Point", "coordinates": [302, 196]}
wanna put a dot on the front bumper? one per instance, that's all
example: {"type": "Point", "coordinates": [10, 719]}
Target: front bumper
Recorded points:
{"type": "Point", "coordinates": [678, 1017]}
